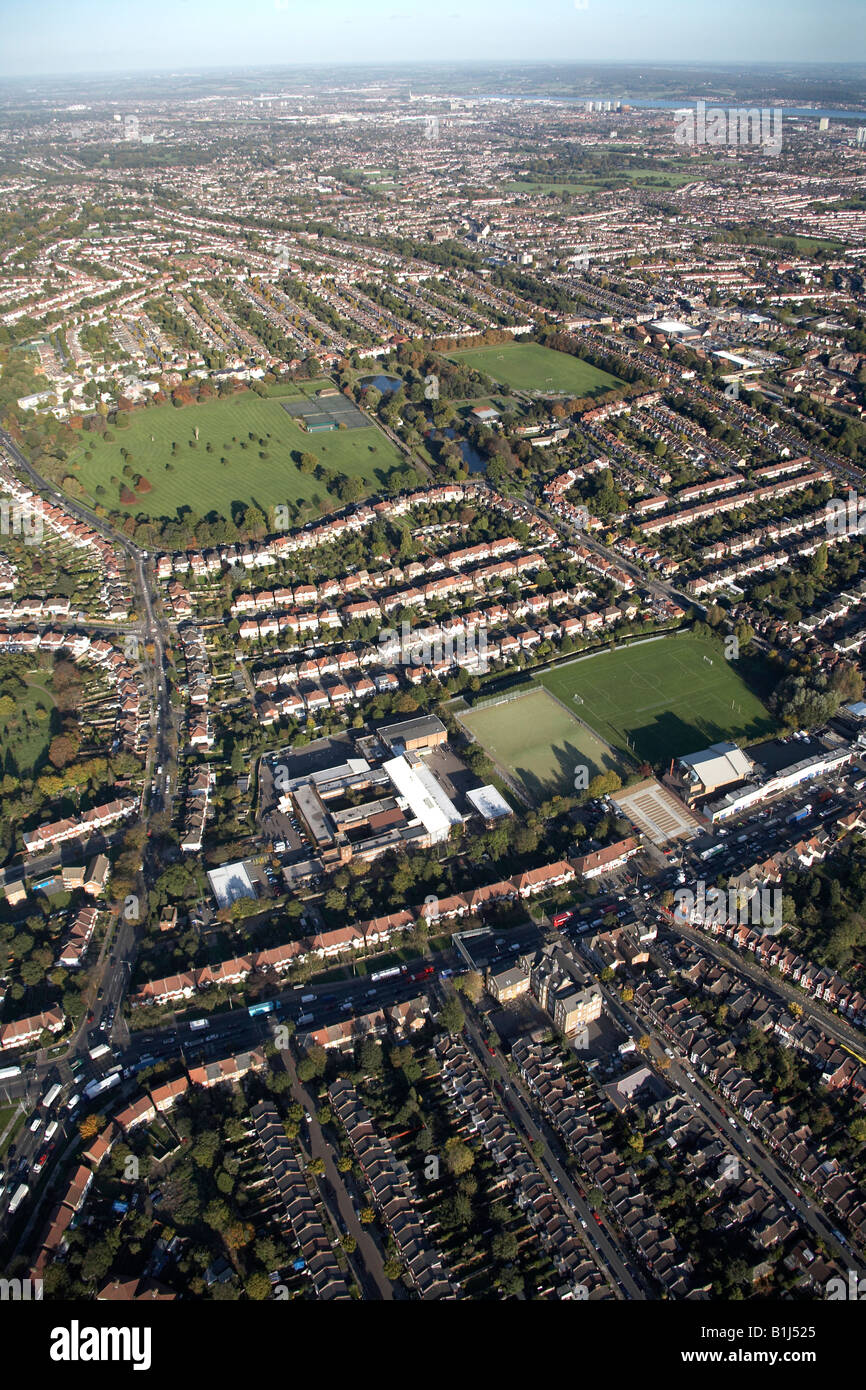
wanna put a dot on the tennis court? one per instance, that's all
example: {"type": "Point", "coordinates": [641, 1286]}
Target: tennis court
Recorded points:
{"type": "Point", "coordinates": [322, 411]}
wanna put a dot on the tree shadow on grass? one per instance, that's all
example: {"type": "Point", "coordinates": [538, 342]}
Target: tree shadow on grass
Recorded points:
{"type": "Point", "coordinates": [570, 759]}
{"type": "Point", "coordinates": [669, 736]}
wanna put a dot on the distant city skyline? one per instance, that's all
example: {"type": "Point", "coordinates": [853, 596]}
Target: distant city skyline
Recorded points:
{"type": "Point", "coordinates": [94, 36]}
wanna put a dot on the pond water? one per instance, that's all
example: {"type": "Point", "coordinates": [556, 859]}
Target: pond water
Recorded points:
{"type": "Point", "coordinates": [475, 462]}
{"type": "Point", "coordinates": [383, 383]}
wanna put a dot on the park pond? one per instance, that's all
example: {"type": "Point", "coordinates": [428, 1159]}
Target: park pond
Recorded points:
{"type": "Point", "coordinates": [475, 462]}
{"type": "Point", "coordinates": [382, 383]}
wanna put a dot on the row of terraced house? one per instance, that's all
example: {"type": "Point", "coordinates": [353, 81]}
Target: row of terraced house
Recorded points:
{"type": "Point", "coordinates": [359, 937]}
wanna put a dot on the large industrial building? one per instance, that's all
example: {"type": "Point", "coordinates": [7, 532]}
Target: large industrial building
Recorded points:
{"type": "Point", "coordinates": [362, 807]}
{"type": "Point", "coordinates": [723, 781]}
{"type": "Point", "coordinates": [758, 789]}
{"type": "Point", "coordinates": [707, 772]}
{"type": "Point", "coordinates": [414, 735]}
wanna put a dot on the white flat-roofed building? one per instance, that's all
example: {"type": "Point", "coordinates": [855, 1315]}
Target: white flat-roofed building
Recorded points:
{"type": "Point", "coordinates": [674, 328]}
{"type": "Point", "coordinates": [489, 803]}
{"type": "Point", "coordinates": [424, 797]}
{"type": "Point", "coordinates": [741, 364]}
{"type": "Point", "coordinates": [230, 882]}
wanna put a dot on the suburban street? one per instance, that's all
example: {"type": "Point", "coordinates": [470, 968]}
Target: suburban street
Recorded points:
{"type": "Point", "coordinates": [598, 1237]}
{"type": "Point", "coordinates": [749, 1149]}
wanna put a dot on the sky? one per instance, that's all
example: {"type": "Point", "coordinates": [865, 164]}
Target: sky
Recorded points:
{"type": "Point", "coordinates": [82, 36]}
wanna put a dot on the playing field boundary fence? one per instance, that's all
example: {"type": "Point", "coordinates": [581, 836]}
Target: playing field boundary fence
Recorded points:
{"type": "Point", "coordinates": [503, 698]}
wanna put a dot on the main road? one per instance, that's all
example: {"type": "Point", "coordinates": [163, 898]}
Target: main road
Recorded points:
{"type": "Point", "coordinates": [115, 978]}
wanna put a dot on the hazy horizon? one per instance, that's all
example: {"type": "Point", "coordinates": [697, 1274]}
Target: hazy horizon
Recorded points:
{"type": "Point", "coordinates": [95, 38]}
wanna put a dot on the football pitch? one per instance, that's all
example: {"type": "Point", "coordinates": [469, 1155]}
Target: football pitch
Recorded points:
{"type": "Point", "coordinates": [531, 367]}
{"type": "Point", "coordinates": [662, 699]}
{"type": "Point", "coordinates": [539, 743]}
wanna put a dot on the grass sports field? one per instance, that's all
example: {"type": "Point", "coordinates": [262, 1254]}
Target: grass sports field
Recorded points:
{"type": "Point", "coordinates": [530, 367]}
{"type": "Point", "coordinates": [539, 743]}
{"type": "Point", "coordinates": [667, 698]}
{"type": "Point", "coordinates": [196, 477]}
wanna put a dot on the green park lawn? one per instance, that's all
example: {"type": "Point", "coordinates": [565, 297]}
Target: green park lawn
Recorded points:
{"type": "Point", "coordinates": [661, 177]}
{"type": "Point", "coordinates": [25, 730]}
{"type": "Point", "coordinates": [530, 367]}
{"type": "Point", "coordinates": [232, 471]}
